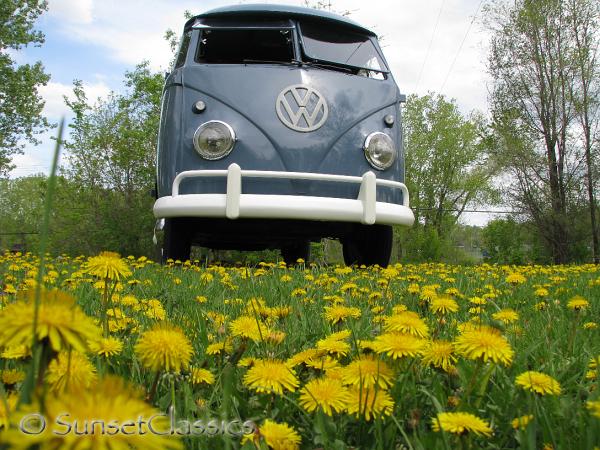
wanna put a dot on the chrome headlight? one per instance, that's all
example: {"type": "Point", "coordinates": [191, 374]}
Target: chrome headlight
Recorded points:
{"type": "Point", "coordinates": [214, 139]}
{"type": "Point", "coordinates": [379, 150]}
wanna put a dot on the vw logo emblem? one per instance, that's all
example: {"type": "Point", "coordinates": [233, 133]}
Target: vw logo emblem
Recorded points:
{"type": "Point", "coordinates": [301, 108]}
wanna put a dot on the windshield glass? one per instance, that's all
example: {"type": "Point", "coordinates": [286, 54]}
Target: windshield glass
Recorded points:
{"type": "Point", "coordinates": [340, 47]}
{"type": "Point", "coordinates": [239, 46]}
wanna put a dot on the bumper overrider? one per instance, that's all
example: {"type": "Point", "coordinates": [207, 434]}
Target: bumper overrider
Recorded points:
{"type": "Point", "coordinates": [234, 204]}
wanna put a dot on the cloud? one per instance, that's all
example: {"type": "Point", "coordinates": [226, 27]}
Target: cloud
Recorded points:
{"type": "Point", "coordinates": [131, 31]}
{"type": "Point", "coordinates": [53, 94]}
{"type": "Point", "coordinates": [30, 164]}
{"type": "Point", "coordinates": [72, 11]}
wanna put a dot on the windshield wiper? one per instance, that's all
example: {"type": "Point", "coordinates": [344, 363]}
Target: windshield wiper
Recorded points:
{"type": "Point", "coordinates": [268, 61]}
{"type": "Point", "coordinates": [333, 65]}
{"type": "Point", "coordinates": [330, 66]}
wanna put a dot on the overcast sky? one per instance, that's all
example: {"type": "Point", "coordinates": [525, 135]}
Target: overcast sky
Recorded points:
{"type": "Point", "coordinates": [430, 45]}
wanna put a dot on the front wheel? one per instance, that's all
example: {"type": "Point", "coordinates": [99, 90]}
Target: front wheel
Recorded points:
{"type": "Point", "coordinates": [368, 245]}
{"type": "Point", "coordinates": [298, 250]}
{"type": "Point", "coordinates": [177, 242]}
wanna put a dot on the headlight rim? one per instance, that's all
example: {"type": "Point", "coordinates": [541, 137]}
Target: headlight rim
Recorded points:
{"type": "Point", "coordinates": [368, 156]}
{"type": "Point", "coordinates": [211, 157]}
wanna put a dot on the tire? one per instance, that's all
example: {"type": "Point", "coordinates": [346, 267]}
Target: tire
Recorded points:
{"type": "Point", "coordinates": [292, 252]}
{"type": "Point", "coordinates": [177, 242]}
{"type": "Point", "coordinates": [368, 245]}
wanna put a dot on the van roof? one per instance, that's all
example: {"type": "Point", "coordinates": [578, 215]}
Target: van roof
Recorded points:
{"type": "Point", "coordinates": [278, 11]}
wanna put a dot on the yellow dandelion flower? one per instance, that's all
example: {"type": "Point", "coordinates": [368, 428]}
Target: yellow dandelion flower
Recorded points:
{"type": "Point", "coordinates": [109, 401]}
{"type": "Point", "coordinates": [340, 335]}
{"type": "Point", "coordinates": [541, 292]}
{"type": "Point", "coordinates": [199, 376]}
{"type": "Point", "coordinates": [578, 303]}
{"type": "Point", "coordinates": [506, 316]}
{"type": "Point", "coordinates": [106, 347]}
{"type": "Point", "coordinates": [413, 288]}
{"type": "Point", "coordinates": [443, 305]}
{"type": "Point", "coordinates": [303, 356]}
{"type": "Point", "coordinates": [538, 382]}
{"type": "Point", "coordinates": [399, 345]}
{"type": "Point", "coordinates": [60, 320]}
{"type": "Point", "coordinates": [478, 301]}
{"type": "Point", "coordinates": [334, 346]}
{"type": "Point", "coordinates": [70, 371]}
{"type": "Point", "coordinates": [520, 423]}
{"type": "Point", "coordinates": [217, 348]}
{"type": "Point", "coordinates": [594, 407]}
{"type": "Point", "coordinates": [275, 337]}
{"type": "Point", "coordinates": [397, 309]}
{"type": "Point", "coordinates": [248, 361]}
{"type": "Point", "coordinates": [16, 352]}
{"type": "Point", "coordinates": [11, 376]}
{"type": "Point", "coordinates": [279, 436]}
{"type": "Point", "coordinates": [249, 327]}
{"type": "Point", "coordinates": [407, 322]}
{"type": "Point", "coordinates": [154, 309]}
{"type": "Point", "coordinates": [485, 343]}
{"type": "Point", "coordinates": [369, 402]}
{"type": "Point", "coordinates": [107, 265]}
{"type": "Point", "coordinates": [366, 344]}
{"type": "Point", "coordinates": [271, 376]}
{"type": "Point", "coordinates": [515, 278]}
{"type": "Point", "coordinates": [326, 393]}
{"type": "Point", "coordinates": [322, 363]}
{"type": "Point", "coordinates": [368, 371]}
{"type": "Point", "coordinates": [164, 347]}
{"type": "Point", "coordinates": [461, 423]}
{"type": "Point", "coordinates": [339, 313]}
{"type": "Point", "coordinates": [540, 306]}
{"type": "Point", "coordinates": [590, 326]}
{"type": "Point", "coordinates": [298, 292]}
{"type": "Point", "coordinates": [439, 354]}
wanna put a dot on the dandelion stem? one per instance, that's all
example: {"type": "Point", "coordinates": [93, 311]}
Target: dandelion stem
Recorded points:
{"type": "Point", "coordinates": [43, 245]}
{"type": "Point", "coordinates": [154, 386]}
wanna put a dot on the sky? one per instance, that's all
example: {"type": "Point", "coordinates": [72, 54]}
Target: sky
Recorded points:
{"type": "Point", "coordinates": [431, 46]}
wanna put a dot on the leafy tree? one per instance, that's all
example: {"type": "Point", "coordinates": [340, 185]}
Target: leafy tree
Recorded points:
{"type": "Point", "coordinates": [21, 203]}
{"type": "Point", "coordinates": [20, 104]}
{"type": "Point", "coordinates": [111, 154]}
{"type": "Point", "coordinates": [538, 77]}
{"type": "Point", "coordinates": [447, 171]}
{"type": "Point", "coordinates": [584, 18]}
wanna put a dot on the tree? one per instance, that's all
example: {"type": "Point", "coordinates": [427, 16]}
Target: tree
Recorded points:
{"type": "Point", "coordinates": [583, 19]}
{"type": "Point", "coordinates": [111, 152]}
{"type": "Point", "coordinates": [22, 204]}
{"type": "Point", "coordinates": [20, 103]}
{"type": "Point", "coordinates": [534, 74]}
{"type": "Point", "coordinates": [447, 168]}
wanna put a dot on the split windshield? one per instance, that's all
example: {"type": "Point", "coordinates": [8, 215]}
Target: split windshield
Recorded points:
{"type": "Point", "coordinates": [340, 47]}
{"type": "Point", "coordinates": [239, 46]}
{"type": "Point", "coordinates": [332, 48]}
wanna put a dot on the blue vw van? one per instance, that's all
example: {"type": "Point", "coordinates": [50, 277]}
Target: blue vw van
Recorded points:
{"type": "Point", "coordinates": [280, 126]}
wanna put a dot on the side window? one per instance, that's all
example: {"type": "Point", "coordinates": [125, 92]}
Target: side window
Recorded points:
{"type": "Point", "coordinates": [183, 49]}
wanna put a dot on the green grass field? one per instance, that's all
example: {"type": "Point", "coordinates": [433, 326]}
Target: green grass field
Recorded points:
{"type": "Point", "coordinates": [315, 357]}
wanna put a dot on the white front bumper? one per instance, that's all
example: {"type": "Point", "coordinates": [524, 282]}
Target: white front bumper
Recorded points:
{"type": "Point", "coordinates": [233, 204]}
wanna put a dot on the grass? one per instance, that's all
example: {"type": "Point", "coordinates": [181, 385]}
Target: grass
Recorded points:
{"type": "Point", "coordinates": [548, 337]}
